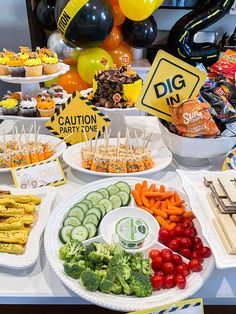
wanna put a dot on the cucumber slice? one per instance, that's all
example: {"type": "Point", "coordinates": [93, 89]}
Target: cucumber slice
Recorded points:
{"type": "Point", "coordinates": [125, 197]}
{"type": "Point", "coordinates": [77, 212]}
{"type": "Point", "coordinates": [88, 203]}
{"type": "Point", "coordinates": [107, 204]}
{"type": "Point", "coordinates": [104, 192]}
{"type": "Point", "coordinates": [65, 233]}
{"type": "Point", "coordinates": [72, 220]}
{"type": "Point", "coordinates": [112, 189]}
{"type": "Point", "coordinates": [94, 197]}
{"type": "Point", "coordinates": [83, 206]}
{"type": "Point", "coordinates": [102, 209]}
{"type": "Point", "coordinates": [91, 218]}
{"type": "Point", "coordinates": [95, 211]}
{"type": "Point", "coordinates": [92, 229]}
{"type": "Point", "coordinates": [123, 186]}
{"type": "Point", "coordinates": [79, 233]}
{"type": "Point", "coordinates": [116, 201]}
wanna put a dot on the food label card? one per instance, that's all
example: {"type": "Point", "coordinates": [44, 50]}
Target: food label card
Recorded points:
{"type": "Point", "coordinates": [194, 306]}
{"type": "Point", "coordinates": [169, 81]}
{"type": "Point", "coordinates": [75, 118]}
{"type": "Point", "coordinates": [40, 174]}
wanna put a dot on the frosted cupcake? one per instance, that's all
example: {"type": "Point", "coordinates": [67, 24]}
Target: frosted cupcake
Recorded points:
{"type": "Point", "coordinates": [9, 107]}
{"type": "Point", "coordinates": [58, 94]}
{"type": "Point", "coordinates": [8, 53]}
{"type": "Point", "coordinates": [16, 67]}
{"type": "Point", "coordinates": [46, 106]}
{"type": "Point", "coordinates": [13, 95]}
{"type": "Point", "coordinates": [28, 106]}
{"type": "Point", "coordinates": [24, 53]}
{"type": "Point", "coordinates": [50, 63]}
{"type": "Point", "coordinates": [3, 64]}
{"type": "Point", "coordinates": [33, 66]}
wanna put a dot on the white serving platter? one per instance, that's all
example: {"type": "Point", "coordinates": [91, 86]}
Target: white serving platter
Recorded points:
{"type": "Point", "coordinates": [162, 157]}
{"type": "Point", "coordinates": [31, 253]}
{"type": "Point", "coordinates": [44, 139]}
{"type": "Point", "coordinates": [197, 192]}
{"type": "Point", "coordinates": [119, 303]}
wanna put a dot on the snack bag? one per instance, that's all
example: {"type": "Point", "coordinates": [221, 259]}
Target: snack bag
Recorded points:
{"type": "Point", "coordinates": [193, 119]}
{"type": "Point", "coordinates": [226, 65]}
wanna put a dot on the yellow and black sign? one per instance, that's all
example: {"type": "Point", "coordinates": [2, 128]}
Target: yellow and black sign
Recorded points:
{"type": "Point", "coordinates": [170, 81]}
{"type": "Point", "coordinates": [75, 118]}
{"type": "Point", "coordinates": [68, 13]}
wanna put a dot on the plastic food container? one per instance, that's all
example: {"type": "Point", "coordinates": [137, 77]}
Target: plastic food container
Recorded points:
{"type": "Point", "coordinates": [132, 232]}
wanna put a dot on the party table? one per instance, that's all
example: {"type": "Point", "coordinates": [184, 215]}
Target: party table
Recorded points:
{"type": "Point", "coordinates": [39, 284]}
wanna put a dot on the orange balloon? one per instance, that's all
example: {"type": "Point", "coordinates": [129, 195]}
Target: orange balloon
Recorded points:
{"type": "Point", "coordinates": [113, 40]}
{"type": "Point", "coordinates": [71, 81]}
{"type": "Point", "coordinates": [70, 61]}
{"type": "Point", "coordinates": [119, 17]}
{"type": "Point", "coordinates": [122, 51]}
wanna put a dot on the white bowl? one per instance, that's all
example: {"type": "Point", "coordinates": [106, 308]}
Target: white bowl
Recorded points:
{"type": "Point", "coordinates": [195, 151]}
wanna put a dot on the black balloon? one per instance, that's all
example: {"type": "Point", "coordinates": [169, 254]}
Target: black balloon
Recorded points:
{"type": "Point", "coordinates": [140, 34]}
{"type": "Point", "coordinates": [45, 13]}
{"type": "Point", "coordinates": [181, 39]}
{"type": "Point", "coordinates": [91, 24]}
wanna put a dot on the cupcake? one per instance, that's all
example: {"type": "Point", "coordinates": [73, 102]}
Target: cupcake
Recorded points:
{"type": "Point", "coordinates": [28, 106]}
{"type": "Point", "coordinates": [46, 106]}
{"type": "Point", "coordinates": [50, 63]}
{"type": "Point", "coordinates": [24, 53]}
{"type": "Point", "coordinates": [9, 107]}
{"type": "Point", "coordinates": [13, 95]}
{"type": "Point", "coordinates": [33, 66]}
{"type": "Point", "coordinates": [16, 67]}
{"type": "Point", "coordinates": [58, 94]}
{"type": "Point", "coordinates": [8, 53]}
{"type": "Point", "coordinates": [42, 51]}
{"type": "Point", "coordinates": [3, 64]}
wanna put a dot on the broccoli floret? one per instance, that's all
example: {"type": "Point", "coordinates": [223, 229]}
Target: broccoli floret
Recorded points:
{"type": "Point", "coordinates": [136, 261]}
{"type": "Point", "coordinates": [117, 288]}
{"type": "Point", "coordinates": [101, 273]}
{"type": "Point", "coordinates": [146, 267]}
{"type": "Point", "coordinates": [140, 284]}
{"type": "Point", "coordinates": [89, 248]}
{"type": "Point", "coordinates": [74, 269]}
{"type": "Point", "coordinates": [115, 248]}
{"type": "Point", "coordinates": [71, 250]}
{"type": "Point", "coordinates": [105, 286]}
{"type": "Point", "coordinates": [126, 287]}
{"type": "Point", "coordinates": [90, 280]}
{"type": "Point", "coordinates": [100, 254]}
{"type": "Point", "coordinates": [95, 257]}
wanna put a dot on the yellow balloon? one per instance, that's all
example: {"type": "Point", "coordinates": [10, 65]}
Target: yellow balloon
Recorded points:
{"type": "Point", "coordinates": [49, 83]}
{"type": "Point", "coordinates": [158, 3]}
{"type": "Point", "coordinates": [92, 60]}
{"type": "Point", "coordinates": [137, 10]}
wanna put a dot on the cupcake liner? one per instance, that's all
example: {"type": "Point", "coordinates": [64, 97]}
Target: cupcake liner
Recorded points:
{"type": "Point", "coordinates": [36, 70]}
{"type": "Point", "coordinates": [28, 112]}
{"type": "Point", "coordinates": [10, 111]}
{"type": "Point", "coordinates": [50, 68]}
{"type": "Point", "coordinates": [3, 70]}
{"type": "Point", "coordinates": [17, 71]}
{"type": "Point", "coordinates": [46, 112]}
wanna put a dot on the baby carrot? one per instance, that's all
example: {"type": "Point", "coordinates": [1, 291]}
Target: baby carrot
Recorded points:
{"type": "Point", "coordinates": [144, 185]}
{"type": "Point", "coordinates": [188, 214]}
{"type": "Point", "coordinates": [157, 204]}
{"type": "Point", "coordinates": [153, 194]}
{"type": "Point", "coordinates": [138, 187]}
{"type": "Point", "coordinates": [167, 203]}
{"type": "Point", "coordinates": [177, 197]}
{"type": "Point", "coordinates": [162, 188]}
{"type": "Point", "coordinates": [152, 202]}
{"type": "Point", "coordinates": [163, 205]}
{"type": "Point", "coordinates": [174, 218]}
{"type": "Point", "coordinates": [174, 208]}
{"type": "Point", "coordinates": [137, 197]}
{"type": "Point", "coordinates": [172, 226]}
{"type": "Point", "coordinates": [147, 209]}
{"type": "Point", "coordinates": [159, 212]}
{"type": "Point", "coordinates": [172, 199]}
{"type": "Point", "coordinates": [177, 204]}
{"type": "Point", "coordinates": [173, 212]}
{"type": "Point", "coordinates": [145, 201]}
{"type": "Point", "coordinates": [162, 222]}
{"type": "Point", "coordinates": [166, 195]}
{"type": "Point", "coordinates": [152, 188]}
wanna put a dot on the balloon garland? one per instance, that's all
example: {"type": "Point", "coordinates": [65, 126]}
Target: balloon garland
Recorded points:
{"type": "Point", "coordinates": [181, 38]}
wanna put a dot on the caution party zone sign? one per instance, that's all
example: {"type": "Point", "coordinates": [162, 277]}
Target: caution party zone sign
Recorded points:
{"type": "Point", "coordinates": [77, 120]}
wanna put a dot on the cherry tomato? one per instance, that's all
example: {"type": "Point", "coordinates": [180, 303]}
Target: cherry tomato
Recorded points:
{"type": "Point", "coordinates": [197, 255]}
{"type": "Point", "coordinates": [174, 245]}
{"type": "Point", "coordinates": [157, 263]}
{"type": "Point", "coordinates": [168, 268]}
{"type": "Point", "coordinates": [205, 251]}
{"type": "Point", "coordinates": [177, 259]}
{"type": "Point", "coordinates": [172, 234]}
{"type": "Point", "coordinates": [167, 255]}
{"type": "Point", "coordinates": [182, 269]}
{"type": "Point", "coordinates": [185, 243]}
{"type": "Point", "coordinates": [178, 239]}
{"type": "Point", "coordinates": [169, 281]}
{"type": "Point", "coordinates": [179, 230]}
{"type": "Point", "coordinates": [198, 246]}
{"type": "Point", "coordinates": [154, 253]}
{"type": "Point", "coordinates": [159, 272]}
{"type": "Point", "coordinates": [195, 265]}
{"type": "Point", "coordinates": [157, 281]}
{"type": "Point", "coordinates": [187, 223]}
{"type": "Point", "coordinates": [197, 240]}
{"type": "Point", "coordinates": [189, 233]}
{"type": "Point", "coordinates": [185, 252]}
{"type": "Point", "coordinates": [180, 281]}
{"type": "Point", "coordinates": [164, 235]}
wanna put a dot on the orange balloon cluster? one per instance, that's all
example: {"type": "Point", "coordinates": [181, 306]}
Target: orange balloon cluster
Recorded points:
{"type": "Point", "coordinates": [113, 40]}
{"type": "Point", "coordinates": [72, 81]}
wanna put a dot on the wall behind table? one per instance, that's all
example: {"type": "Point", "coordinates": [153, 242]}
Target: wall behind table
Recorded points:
{"type": "Point", "coordinates": [14, 31]}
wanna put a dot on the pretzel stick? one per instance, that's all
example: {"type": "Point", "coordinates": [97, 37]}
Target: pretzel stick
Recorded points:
{"type": "Point", "coordinates": [148, 140]}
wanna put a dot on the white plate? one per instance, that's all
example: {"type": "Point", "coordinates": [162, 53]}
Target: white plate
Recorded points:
{"type": "Point", "coordinates": [31, 253]}
{"type": "Point", "coordinates": [44, 139]}
{"type": "Point", "coordinates": [162, 157]}
{"type": "Point", "coordinates": [197, 192]}
{"type": "Point", "coordinates": [63, 68]}
{"type": "Point", "coordinates": [118, 303]}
